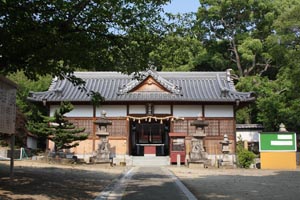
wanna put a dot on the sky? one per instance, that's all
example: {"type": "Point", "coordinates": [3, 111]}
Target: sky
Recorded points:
{"type": "Point", "coordinates": [182, 6]}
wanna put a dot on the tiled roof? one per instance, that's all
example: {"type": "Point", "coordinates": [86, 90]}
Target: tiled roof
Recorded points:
{"type": "Point", "coordinates": [115, 87]}
{"type": "Point", "coordinates": [249, 126]}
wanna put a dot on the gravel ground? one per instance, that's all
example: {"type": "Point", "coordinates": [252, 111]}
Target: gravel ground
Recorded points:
{"type": "Point", "coordinates": [240, 184]}
{"type": "Point", "coordinates": [34, 180]}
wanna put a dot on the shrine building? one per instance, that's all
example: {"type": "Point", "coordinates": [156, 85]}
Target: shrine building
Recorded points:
{"type": "Point", "coordinates": [148, 111]}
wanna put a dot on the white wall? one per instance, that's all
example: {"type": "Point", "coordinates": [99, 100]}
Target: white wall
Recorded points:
{"type": "Point", "coordinates": [219, 111]}
{"type": "Point", "coordinates": [178, 110]}
{"type": "Point", "coordinates": [112, 110]}
{"type": "Point", "coordinates": [137, 109]}
{"type": "Point", "coordinates": [187, 110]}
{"type": "Point", "coordinates": [78, 111]}
{"type": "Point", "coordinates": [250, 136]}
{"type": "Point", "coordinates": [87, 110]}
{"type": "Point", "coordinates": [162, 109]}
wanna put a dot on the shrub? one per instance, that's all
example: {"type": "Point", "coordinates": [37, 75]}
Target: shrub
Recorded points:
{"type": "Point", "coordinates": [245, 158]}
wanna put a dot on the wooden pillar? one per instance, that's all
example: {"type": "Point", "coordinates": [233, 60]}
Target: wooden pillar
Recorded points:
{"type": "Point", "coordinates": [94, 127]}
{"type": "Point", "coordinates": [12, 150]}
{"type": "Point", "coordinates": [246, 144]}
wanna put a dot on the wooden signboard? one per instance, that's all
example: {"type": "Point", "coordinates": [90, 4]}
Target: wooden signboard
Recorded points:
{"type": "Point", "coordinates": [7, 106]}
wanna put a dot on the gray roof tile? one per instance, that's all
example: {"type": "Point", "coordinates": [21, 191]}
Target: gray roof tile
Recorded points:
{"type": "Point", "coordinates": [115, 87]}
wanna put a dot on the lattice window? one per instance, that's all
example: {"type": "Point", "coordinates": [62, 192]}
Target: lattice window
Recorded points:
{"type": "Point", "coordinates": [219, 127]}
{"type": "Point", "coordinates": [181, 126]}
{"type": "Point", "coordinates": [226, 127]}
{"type": "Point", "coordinates": [192, 129]}
{"type": "Point", "coordinates": [84, 123]}
{"type": "Point", "coordinates": [213, 128]}
{"type": "Point", "coordinates": [118, 127]}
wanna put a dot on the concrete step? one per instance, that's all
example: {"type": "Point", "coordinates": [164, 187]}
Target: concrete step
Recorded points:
{"type": "Point", "coordinates": [150, 161]}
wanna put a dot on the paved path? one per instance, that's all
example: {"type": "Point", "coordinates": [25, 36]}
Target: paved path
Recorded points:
{"type": "Point", "coordinates": [147, 183]}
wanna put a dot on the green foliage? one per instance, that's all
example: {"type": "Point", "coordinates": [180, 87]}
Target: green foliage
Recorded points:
{"type": "Point", "coordinates": [58, 129]}
{"type": "Point", "coordinates": [269, 103]}
{"type": "Point", "coordinates": [30, 110]}
{"type": "Point", "coordinates": [249, 48]}
{"type": "Point", "coordinates": [244, 27]}
{"type": "Point", "coordinates": [96, 98]}
{"type": "Point", "coordinates": [244, 157]}
{"type": "Point", "coordinates": [258, 39]}
{"type": "Point", "coordinates": [56, 37]}
{"type": "Point", "coordinates": [176, 53]}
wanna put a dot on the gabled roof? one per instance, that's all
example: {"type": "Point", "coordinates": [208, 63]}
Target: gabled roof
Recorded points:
{"type": "Point", "coordinates": [149, 75]}
{"type": "Point", "coordinates": [117, 87]}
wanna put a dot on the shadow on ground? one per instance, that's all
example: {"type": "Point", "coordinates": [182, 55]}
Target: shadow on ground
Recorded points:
{"type": "Point", "coordinates": [53, 183]}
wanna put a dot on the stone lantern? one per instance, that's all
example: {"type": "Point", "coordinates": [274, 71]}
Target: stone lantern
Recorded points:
{"type": "Point", "coordinates": [198, 154]}
{"type": "Point", "coordinates": [225, 161]}
{"type": "Point", "coordinates": [282, 128]}
{"type": "Point", "coordinates": [102, 153]}
{"type": "Point", "coordinates": [225, 144]}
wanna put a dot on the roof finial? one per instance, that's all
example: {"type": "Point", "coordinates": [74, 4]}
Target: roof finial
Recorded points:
{"type": "Point", "coordinates": [228, 74]}
{"type": "Point", "coordinates": [152, 67]}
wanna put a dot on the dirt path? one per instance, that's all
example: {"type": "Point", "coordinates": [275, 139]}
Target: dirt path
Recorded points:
{"type": "Point", "coordinates": [35, 180]}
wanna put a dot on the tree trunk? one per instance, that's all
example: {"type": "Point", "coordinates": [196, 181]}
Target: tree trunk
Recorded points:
{"type": "Point", "coordinates": [237, 58]}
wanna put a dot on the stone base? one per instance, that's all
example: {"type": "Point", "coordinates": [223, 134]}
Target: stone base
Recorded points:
{"type": "Point", "coordinates": [196, 165]}
{"type": "Point", "coordinates": [150, 155]}
{"type": "Point", "coordinates": [62, 161]}
{"type": "Point", "coordinates": [99, 161]}
{"type": "Point", "coordinates": [226, 161]}
{"type": "Point", "coordinates": [199, 164]}
{"type": "Point", "coordinates": [227, 167]}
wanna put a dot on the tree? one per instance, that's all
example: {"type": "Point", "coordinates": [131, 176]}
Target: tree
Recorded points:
{"type": "Point", "coordinates": [30, 110]}
{"type": "Point", "coordinates": [242, 27]}
{"type": "Point", "coordinates": [56, 37]}
{"type": "Point", "coordinates": [176, 53]}
{"type": "Point", "coordinates": [278, 100]}
{"type": "Point", "coordinates": [26, 110]}
{"type": "Point", "coordinates": [179, 49]}
{"type": "Point", "coordinates": [270, 102]}
{"type": "Point", "coordinates": [58, 129]}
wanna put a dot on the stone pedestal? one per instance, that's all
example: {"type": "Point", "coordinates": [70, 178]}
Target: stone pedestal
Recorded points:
{"type": "Point", "coordinates": [101, 155]}
{"type": "Point", "coordinates": [198, 156]}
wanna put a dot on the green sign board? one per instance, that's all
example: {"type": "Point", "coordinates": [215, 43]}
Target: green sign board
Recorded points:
{"type": "Point", "coordinates": [277, 141]}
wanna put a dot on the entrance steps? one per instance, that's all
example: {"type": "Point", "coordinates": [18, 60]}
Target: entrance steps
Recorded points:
{"type": "Point", "coordinates": [150, 160]}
